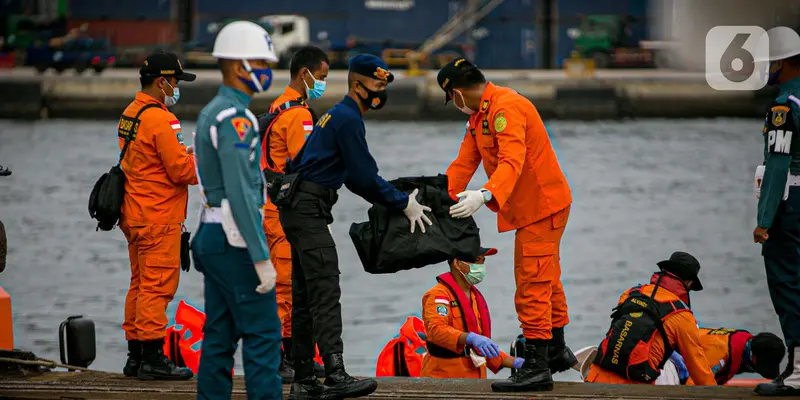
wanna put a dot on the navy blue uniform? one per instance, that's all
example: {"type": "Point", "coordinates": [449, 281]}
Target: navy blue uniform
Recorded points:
{"type": "Point", "coordinates": [336, 153]}
{"type": "Point", "coordinates": [781, 217]}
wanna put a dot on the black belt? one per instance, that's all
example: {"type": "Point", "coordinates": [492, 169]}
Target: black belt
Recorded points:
{"type": "Point", "coordinates": [317, 190]}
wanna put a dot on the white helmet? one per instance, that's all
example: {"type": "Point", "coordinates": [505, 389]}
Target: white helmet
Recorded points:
{"type": "Point", "coordinates": [243, 40]}
{"type": "Point", "coordinates": [784, 43]}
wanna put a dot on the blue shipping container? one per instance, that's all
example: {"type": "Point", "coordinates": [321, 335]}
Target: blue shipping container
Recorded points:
{"type": "Point", "coordinates": [507, 46]}
{"type": "Point", "coordinates": [258, 8]}
{"type": "Point", "coordinates": [515, 9]}
{"type": "Point", "coordinates": [415, 24]}
{"type": "Point", "coordinates": [570, 11]}
{"type": "Point", "coordinates": [120, 10]}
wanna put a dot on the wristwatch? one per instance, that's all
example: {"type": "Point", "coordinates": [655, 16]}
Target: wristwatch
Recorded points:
{"type": "Point", "coordinates": [487, 195]}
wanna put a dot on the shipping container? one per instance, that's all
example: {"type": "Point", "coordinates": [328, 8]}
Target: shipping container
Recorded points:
{"type": "Point", "coordinates": [130, 33]}
{"type": "Point", "coordinates": [507, 45]}
{"type": "Point", "coordinates": [516, 9]}
{"type": "Point", "coordinates": [257, 8]}
{"type": "Point", "coordinates": [570, 12]}
{"type": "Point", "coordinates": [120, 9]}
{"type": "Point", "coordinates": [414, 24]}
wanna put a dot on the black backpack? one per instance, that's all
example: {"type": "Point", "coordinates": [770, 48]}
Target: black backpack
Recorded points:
{"type": "Point", "coordinates": [105, 201]}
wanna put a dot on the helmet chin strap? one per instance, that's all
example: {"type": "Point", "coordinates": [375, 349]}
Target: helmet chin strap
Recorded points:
{"type": "Point", "coordinates": [255, 81]}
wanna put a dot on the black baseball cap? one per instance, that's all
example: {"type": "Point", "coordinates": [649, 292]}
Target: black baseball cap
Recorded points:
{"type": "Point", "coordinates": [684, 266]}
{"type": "Point", "coordinates": [165, 64]}
{"type": "Point", "coordinates": [454, 71]}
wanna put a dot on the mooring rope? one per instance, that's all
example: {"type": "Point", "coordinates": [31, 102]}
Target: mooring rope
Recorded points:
{"type": "Point", "coordinates": [43, 362]}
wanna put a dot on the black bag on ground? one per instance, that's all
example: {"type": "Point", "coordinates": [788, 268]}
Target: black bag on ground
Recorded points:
{"type": "Point", "coordinates": [385, 244]}
{"type": "Point", "coordinates": [105, 201]}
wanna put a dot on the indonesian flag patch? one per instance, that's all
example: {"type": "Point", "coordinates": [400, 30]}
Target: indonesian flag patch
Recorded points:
{"type": "Point", "coordinates": [441, 300]}
{"type": "Point", "coordinates": [176, 125]}
{"type": "Point", "coordinates": [308, 126]}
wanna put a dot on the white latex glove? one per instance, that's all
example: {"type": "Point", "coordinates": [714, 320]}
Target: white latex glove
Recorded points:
{"type": "Point", "coordinates": [469, 202]}
{"type": "Point", "coordinates": [330, 230]}
{"type": "Point", "coordinates": [267, 275]}
{"type": "Point", "coordinates": [416, 212]}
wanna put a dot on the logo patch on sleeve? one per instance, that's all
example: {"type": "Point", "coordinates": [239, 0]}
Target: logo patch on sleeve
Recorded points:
{"type": "Point", "coordinates": [242, 127]}
{"type": "Point", "coordinates": [779, 115]}
{"type": "Point", "coordinates": [308, 126]}
{"type": "Point", "coordinates": [441, 310]}
{"type": "Point", "coordinates": [500, 122]}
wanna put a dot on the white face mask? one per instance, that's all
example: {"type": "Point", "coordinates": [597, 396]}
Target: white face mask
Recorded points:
{"type": "Point", "coordinates": [464, 108]}
{"type": "Point", "coordinates": [170, 101]}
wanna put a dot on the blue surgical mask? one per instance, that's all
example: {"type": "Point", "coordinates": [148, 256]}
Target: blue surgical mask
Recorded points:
{"type": "Point", "coordinates": [772, 78]}
{"type": "Point", "coordinates": [260, 78]}
{"type": "Point", "coordinates": [170, 101]}
{"type": "Point", "coordinates": [318, 89]}
{"type": "Point", "coordinates": [476, 274]}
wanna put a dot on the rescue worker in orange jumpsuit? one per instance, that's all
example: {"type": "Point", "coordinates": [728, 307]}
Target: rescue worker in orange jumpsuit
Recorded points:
{"type": "Point", "coordinates": [645, 318]}
{"type": "Point", "coordinates": [459, 327]}
{"type": "Point", "coordinates": [736, 351]}
{"type": "Point", "coordinates": [530, 194]}
{"type": "Point", "coordinates": [285, 129]}
{"type": "Point", "coordinates": [158, 171]}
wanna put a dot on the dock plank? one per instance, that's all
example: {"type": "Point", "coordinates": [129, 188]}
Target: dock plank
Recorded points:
{"type": "Point", "coordinates": [101, 385]}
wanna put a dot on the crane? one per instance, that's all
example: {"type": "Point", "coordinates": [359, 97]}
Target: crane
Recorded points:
{"type": "Point", "coordinates": [462, 21]}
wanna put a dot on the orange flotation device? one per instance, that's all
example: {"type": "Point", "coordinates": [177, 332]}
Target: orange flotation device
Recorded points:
{"type": "Point", "coordinates": [183, 343]}
{"type": "Point", "coordinates": [403, 354]}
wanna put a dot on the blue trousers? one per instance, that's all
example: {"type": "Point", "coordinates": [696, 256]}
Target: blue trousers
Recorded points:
{"type": "Point", "coordinates": [781, 254]}
{"type": "Point", "coordinates": [234, 310]}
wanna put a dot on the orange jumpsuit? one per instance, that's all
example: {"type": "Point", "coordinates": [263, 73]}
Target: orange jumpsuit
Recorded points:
{"type": "Point", "coordinates": [719, 345]}
{"type": "Point", "coordinates": [288, 135]}
{"type": "Point", "coordinates": [682, 333]}
{"type": "Point", "coordinates": [444, 331]}
{"type": "Point", "coordinates": [529, 194]}
{"type": "Point", "coordinates": [158, 172]}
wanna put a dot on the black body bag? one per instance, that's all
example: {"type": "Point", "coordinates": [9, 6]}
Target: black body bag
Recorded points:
{"type": "Point", "coordinates": [105, 201]}
{"type": "Point", "coordinates": [386, 245]}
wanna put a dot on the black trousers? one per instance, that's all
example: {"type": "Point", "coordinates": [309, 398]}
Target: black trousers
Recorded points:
{"type": "Point", "coordinates": [316, 310]}
{"type": "Point", "coordinates": [782, 261]}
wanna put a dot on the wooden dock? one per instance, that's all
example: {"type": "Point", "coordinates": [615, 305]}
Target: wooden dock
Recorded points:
{"type": "Point", "coordinates": [101, 385]}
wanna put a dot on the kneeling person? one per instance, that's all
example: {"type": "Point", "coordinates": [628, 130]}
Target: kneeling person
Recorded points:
{"type": "Point", "coordinates": [458, 325]}
{"type": "Point", "coordinates": [651, 321]}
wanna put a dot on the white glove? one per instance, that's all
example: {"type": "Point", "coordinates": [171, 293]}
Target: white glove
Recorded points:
{"type": "Point", "coordinates": [267, 275]}
{"type": "Point", "coordinates": [330, 230]}
{"type": "Point", "coordinates": [416, 212]}
{"type": "Point", "coordinates": [470, 201]}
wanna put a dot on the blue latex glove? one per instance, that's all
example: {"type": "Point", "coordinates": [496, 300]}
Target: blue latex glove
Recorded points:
{"type": "Point", "coordinates": [680, 365]}
{"type": "Point", "coordinates": [518, 362]}
{"type": "Point", "coordinates": [485, 346]}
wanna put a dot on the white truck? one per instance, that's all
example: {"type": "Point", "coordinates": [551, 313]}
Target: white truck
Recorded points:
{"type": "Point", "coordinates": [288, 33]}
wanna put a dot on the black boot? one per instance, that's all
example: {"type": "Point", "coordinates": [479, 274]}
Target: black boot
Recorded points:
{"type": "Point", "coordinates": [559, 357]}
{"type": "Point", "coordinates": [285, 368]}
{"type": "Point", "coordinates": [131, 368]}
{"type": "Point", "coordinates": [319, 370]}
{"type": "Point", "coordinates": [788, 383]}
{"type": "Point", "coordinates": [156, 366]}
{"type": "Point", "coordinates": [306, 386]}
{"type": "Point", "coordinates": [534, 376]}
{"type": "Point", "coordinates": [341, 383]}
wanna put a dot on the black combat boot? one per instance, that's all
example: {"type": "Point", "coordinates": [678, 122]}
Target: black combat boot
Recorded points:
{"type": "Point", "coordinates": [306, 386]}
{"type": "Point", "coordinates": [156, 366]}
{"type": "Point", "coordinates": [534, 376]}
{"type": "Point", "coordinates": [559, 357]}
{"type": "Point", "coordinates": [787, 383]}
{"type": "Point", "coordinates": [131, 368]}
{"type": "Point", "coordinates": [285, 367]}
{"type": "Point", "coordinates": [341, 383]}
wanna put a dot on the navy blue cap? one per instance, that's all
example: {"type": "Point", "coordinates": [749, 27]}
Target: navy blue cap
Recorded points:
{"type": "Point", "coordinates": [370, 66]}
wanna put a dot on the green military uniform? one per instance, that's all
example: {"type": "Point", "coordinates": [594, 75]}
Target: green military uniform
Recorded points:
{"type": "Point", "coordinates": [227, 151]}
{"type": "Point", "coordinates": [781, 251]}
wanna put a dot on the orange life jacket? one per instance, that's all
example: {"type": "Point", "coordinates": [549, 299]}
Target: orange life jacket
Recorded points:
{"type": "Point", "coordinates": [470, 321]}
{"type": "Point", "coordinates": [403, 355]}
{"type": "Point", "coordinates": [183, 343]}
{"type": "Point", "coordinates": [732, 361]}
